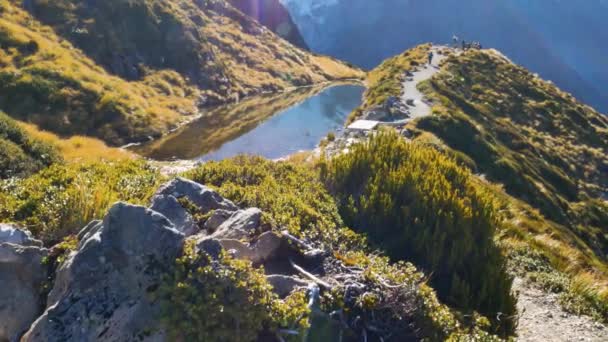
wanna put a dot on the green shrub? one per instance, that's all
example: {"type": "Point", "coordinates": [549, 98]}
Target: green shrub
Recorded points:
{"type": "Point", "coordinates": [225, 300]}
{"type": "Point", "coordinates": [59, 200]}
{"type": "Point", "coordinates": [418, 205]}
{"type": "Point", "coordinates": [291, 195]}
{"type": "Point", "coordinates": [21, 155]}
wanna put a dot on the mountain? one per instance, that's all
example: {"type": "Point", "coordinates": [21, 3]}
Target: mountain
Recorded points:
{"type": "Point", "coordinates": [273, 15]}
{"type": "Point", "coordinates": [563, 41]}
{"type": "Point", "coordinates": [127, 70]}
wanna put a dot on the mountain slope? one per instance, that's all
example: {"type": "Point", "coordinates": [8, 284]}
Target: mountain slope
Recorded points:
{"type": "Point", "coordinates": [546, 151]}
{"type": "Point", "coordinates": [272, 14]}
{"type": "Point", "coordinates": [209, 42]}
{"type": "Point", "coordinates": [546, 147]}
{"type": "Point", "coordinates": [563, 41]}
{"type": "Point", "coordinates": [144, 65]}
{"type": "Point", "coordinates": [20, 153]}
{"type": "Point", "coordinates": [539, 152]}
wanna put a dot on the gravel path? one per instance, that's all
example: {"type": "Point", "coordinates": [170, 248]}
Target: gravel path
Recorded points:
{"type": "Point", "coordinates": [543, 319]}
{"type": "Point", "coordinates": [410, 91]}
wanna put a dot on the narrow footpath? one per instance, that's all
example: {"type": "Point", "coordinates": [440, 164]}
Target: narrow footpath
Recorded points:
{"type": "Point", "coordinates": [543, 319]}
{"type": "Point", "coordinates": [411, 96]}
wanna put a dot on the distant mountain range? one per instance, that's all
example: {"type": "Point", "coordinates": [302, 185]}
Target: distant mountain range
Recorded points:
{"type": "Point", "coordinates": [564, 41]}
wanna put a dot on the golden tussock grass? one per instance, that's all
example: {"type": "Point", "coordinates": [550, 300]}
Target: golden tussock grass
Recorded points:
{"type": "Point", "coordinates": [79, 148]}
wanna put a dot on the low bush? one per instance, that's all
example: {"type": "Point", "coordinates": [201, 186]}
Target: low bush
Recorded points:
{"type": "Point", "coordinates": [294, 198]}
{"type": "Point", "coordinates": [291, 195]}
{"type": "Point", "coordinates": [59, 200]}
{"type": "Point", "coordinates": [20, 154]}
{"type": "Point", "coordinates": [225, 300]}
{"type": "Point", "coordinates": [417, 204]}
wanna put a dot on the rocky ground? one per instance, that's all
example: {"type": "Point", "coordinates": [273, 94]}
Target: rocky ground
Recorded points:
{"type": "Point", "coordinates": [176, 167]}
{"type": "Point", "coordinates": [106, 289]}
{"type": "Point", "coordinates": [543, 319]}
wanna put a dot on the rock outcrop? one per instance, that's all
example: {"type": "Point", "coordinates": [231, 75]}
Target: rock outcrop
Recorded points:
{"type": "Point", "coordinates": [110, 288]}
{"type": "Point", "coordinates": [22, 274]}
{"type": "Point", "coordinates": [239, 225]}
{"type": "Point", "coordinates": [100, 292]}
{"type": "Point", "coordinates": [12, 234]}
{"type": "Point", "coordinates": [167, 202]}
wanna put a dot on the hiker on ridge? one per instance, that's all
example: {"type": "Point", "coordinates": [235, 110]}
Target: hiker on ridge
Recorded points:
{"type": "Point", "coordinates": [430, 57]}
{"type": "Point", "coordinates": [464, 45]}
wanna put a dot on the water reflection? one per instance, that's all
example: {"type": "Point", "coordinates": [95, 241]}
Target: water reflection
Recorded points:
{"type": "Point", "coordinates": [270, 126]}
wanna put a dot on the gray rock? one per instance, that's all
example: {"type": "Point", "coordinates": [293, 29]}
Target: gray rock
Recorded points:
{"type": "Point", "coordinates": [22, 274]}
{"type": "Point", "coordinates": [266, 248]}
{"type": "Point", "coordinates": [217, 218]}
{"type": "Point", "coordinates": [210, 246]}
{"type": "Point", "coordinates": [284, 285]}
{"type": "Point", "coordinates": [169, 206]}
{"type": "Point", "coordinates": [237, 249]}
{"type": "Point", "coordinates": [10, 233]}
{"type": "Point", "coordinates": [240, 225]}
{"type": "Point", "coordinates": [101, 292]}
{"type": "Point", "coordinates": [202, 196]}
{"type": "Point", "coordinates": [89, 229]}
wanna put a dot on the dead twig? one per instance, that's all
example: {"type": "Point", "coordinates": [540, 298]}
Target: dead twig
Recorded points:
{"type": "Point", "coordinates": [311, 276]}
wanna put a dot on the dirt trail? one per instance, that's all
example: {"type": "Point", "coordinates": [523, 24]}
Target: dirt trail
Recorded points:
{"type": "Point", "coordinates": [421, 108]}
{"type": "Point", "coordinates": [543, 319]}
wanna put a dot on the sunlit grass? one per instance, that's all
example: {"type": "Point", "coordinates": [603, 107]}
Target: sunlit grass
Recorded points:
{"type": "Point", "coordinates": [79, 148]}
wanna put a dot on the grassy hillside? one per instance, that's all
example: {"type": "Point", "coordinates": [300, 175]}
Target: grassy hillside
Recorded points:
{"type": "Point", "coordinates": [126, 70]}
{"type": "Point", "coordinates": [78, 148]}
{"type": "Point", "coordinates": [546, 148]}
{"type": "Point", "coordinates": [548, 151]}
{"type": "Point", "coordinates": [45, 80]}
{"type": "Point", "coordinates": [541, 153]}
{"type": "Point", "coordinates": [20, 153]}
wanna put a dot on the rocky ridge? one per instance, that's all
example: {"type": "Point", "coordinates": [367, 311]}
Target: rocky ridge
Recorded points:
{"type": "Point", "coordinates": [106, 288]}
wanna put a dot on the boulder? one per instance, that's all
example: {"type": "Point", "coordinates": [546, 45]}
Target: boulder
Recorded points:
{"type": "Point", "coordinates": [240, 225]}
{"type": "Point", "coordinates": [22, 274]}
{"type": "Point", "coordinates": [211, 247]}
{"type": "Point", "coordinates": [266, 248]}
{"type": "Point", "coordinates": [169, 206]}
{"type": "Point", "coordinates": [12, 234]}
{"type": "Point", "coordinates": [103, 291]}
{"type": "Point", "coordinates": [166, 201]}
{"type": "Point", "coordinates": [216, 219]}
{"type": "Point", "coordinates": [88, 230]}
{"type": "Point", "coordinates": [202, 196]}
